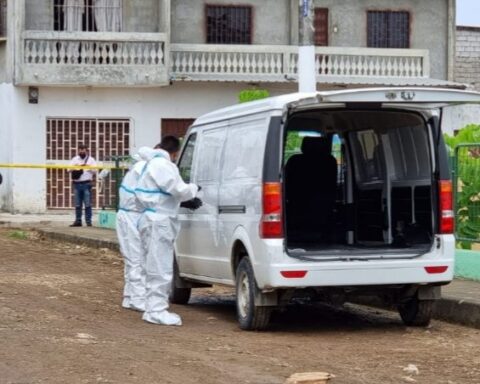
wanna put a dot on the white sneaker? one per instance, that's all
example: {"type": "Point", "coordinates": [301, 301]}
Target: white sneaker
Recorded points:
{"type": "Point", "coordinates": [163, 318]}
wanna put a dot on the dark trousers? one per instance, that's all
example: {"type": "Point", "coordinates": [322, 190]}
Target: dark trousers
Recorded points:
{"type": "Point", "coordinates": [83, 196]}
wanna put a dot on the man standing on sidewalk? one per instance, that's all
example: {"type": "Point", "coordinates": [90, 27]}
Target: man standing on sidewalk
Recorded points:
{"type": "Point", "coordinates": [82, 185]}
{"type": "Point", "coordinates": [160, 190]}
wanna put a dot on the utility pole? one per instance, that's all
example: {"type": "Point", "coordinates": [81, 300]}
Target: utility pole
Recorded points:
{"type": "Point", "coordinates": [306, 49]}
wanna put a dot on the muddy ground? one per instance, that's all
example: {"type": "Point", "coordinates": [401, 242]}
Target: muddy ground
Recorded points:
{"type": "Point", "coordinates": [61, 322]}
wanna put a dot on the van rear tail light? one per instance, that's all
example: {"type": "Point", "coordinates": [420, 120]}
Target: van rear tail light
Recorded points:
{"type": "Point", "coordinates": [271, 226]}
{"type": "Point", "coordinates": [447, 216]}
{"type": "Point", "coordinates": [294, 274]}
{"type": "Point", "coordinates": [436, 269]}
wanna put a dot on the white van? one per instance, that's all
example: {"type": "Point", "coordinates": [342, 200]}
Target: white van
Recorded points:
{"type": "Point", "coordinates": [326, 196]}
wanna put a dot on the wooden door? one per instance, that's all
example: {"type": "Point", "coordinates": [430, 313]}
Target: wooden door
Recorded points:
{"type": "Point", "coordinates": [176, 127]}
{"type": "Point", "coordinates": [320, 24]}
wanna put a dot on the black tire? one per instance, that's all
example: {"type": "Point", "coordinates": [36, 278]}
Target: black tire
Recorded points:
{"type": "Point", "coordinates": [417, 313]}
{"type": "Point", "coordinates": [178, 295]}
{"type": "Point", "coordinates": [250, 317]}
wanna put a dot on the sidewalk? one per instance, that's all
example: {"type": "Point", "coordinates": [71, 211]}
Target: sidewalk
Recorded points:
{"type": "Point", "coordinates": [460, 301]}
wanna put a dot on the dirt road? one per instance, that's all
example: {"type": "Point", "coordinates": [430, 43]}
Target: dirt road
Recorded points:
{"type": "Point", "coordinates": [61, 322]}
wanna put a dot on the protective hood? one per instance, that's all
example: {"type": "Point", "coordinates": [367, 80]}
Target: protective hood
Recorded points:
{"type": "Point", "coordinates": [146, 153]}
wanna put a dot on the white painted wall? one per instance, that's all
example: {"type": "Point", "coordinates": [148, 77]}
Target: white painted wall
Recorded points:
{"type": "Point", "coordinates": [6, 92]}
{"type": "Point", "coordinates": [26, 123]}
{"type": "Point", "coordinates": [455, 118]}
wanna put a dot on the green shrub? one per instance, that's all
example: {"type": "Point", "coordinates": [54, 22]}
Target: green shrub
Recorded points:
{"type": "Point", "coordinates": [19, 235]}
{"type": "Point", "coordinates": [468, 183]}
{"type": "Point", "coordinates": [252, 94]}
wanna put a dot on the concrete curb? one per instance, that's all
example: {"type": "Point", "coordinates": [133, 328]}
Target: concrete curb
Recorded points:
{"type": "Point", "coordinates": [456, 311]}
{"type": "Point", "coordinates": [78, 240]}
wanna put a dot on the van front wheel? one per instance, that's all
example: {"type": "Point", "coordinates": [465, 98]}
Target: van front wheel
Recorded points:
{"type": "Point", "coordinates": [416, 312]}
{"type": "Point", "coordinates": [250, 316]}
{"type": "Point", "coordinates": [178, 294]}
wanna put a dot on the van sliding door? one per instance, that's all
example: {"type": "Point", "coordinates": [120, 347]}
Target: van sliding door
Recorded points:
{"type": "Point", "coordinates": [203, 223]}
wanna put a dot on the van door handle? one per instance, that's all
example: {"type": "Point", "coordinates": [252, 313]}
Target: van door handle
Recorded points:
{"type": "Point", "coordinates": [225, 209]}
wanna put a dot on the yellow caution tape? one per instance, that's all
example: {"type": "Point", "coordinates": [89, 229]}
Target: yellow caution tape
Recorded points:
{"type": "Point", "coordinates": [53, 166]}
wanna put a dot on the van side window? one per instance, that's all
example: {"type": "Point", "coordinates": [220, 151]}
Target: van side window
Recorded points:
{"type": "Point", "coordinates": [247, 143]}
{"type": "Point", "coordinates": [368, 153]}
{"type": "Point", "coordinates": [410, 159]}
{"type": "Point", "coordinates": [210, 154]}
{"type": "Point", "coordinates": [186, 162]}
{"type": "Point", "coordinates": [294, 140]}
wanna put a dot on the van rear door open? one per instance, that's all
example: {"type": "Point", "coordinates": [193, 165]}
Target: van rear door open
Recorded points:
{"type": "Point", "coordinates": [398, 172]}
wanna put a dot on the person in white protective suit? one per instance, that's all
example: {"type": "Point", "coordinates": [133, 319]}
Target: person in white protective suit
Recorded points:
{"type": "Point", "coordinates": [129, 237]}
{"type": "Point", "coordinates": [160, 190]}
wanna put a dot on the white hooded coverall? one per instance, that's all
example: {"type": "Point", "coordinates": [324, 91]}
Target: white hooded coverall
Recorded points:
{"type": "Point", "coordinates": [129, 237]}
{"type": "Point", "coordinates": [160, 190]}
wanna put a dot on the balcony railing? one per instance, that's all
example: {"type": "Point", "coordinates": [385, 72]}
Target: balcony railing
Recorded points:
{"type": "Point", "coordinates": [88, 58]}
{"type": "Point", "coordinates": [147, 59]}
{"type": "Point", "coordinates": [280, 63]}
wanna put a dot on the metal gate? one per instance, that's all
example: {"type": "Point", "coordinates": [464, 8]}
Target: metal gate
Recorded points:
{"type": "Point", "coordinates": [466, 181]}
{"type": "Point", "coordinates": [105, 139]}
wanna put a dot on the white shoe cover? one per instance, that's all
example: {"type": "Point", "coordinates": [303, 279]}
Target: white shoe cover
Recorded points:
{"type": "Point", "coordinates": [163, 318]}
{"type": "Point", "coordinates": [127, 304]}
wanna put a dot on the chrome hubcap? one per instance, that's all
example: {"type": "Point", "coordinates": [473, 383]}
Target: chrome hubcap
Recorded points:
{"type": "Point", "coordinates": [243, 295]}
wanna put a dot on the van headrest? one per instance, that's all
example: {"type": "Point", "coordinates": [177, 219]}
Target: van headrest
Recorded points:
{"type": "Point", "coordinates": [315, 146]}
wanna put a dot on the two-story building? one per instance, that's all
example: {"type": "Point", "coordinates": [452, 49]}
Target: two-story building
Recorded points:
{"type": "Point", "coordinates": [117, 74]}
{"type": "Point", "coordinates": [467, 71]}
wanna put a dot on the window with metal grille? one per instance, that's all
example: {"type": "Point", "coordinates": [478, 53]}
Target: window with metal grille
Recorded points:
{"type": "Point", "coordinates": [105, 138]}
{"type": "Point", "coordinates": [320, 24]}
{"type": "Point", "coordinates": [388, 29]}
{"type": "Point", "coordinates": [229, 24]}
{"type": "Point", "coordinates": [3, 18]}
{"type": "Point", "coordinates": [87, 15]}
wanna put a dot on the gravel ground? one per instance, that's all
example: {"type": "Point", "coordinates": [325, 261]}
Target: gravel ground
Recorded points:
{"type": "Point", "coordinates": [61, 322]}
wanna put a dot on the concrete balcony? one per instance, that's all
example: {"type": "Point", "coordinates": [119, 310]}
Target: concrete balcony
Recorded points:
{"type": "Point", "coordinates": [261, 63]}
{"type": "Point", "coordinates": [92, 59]}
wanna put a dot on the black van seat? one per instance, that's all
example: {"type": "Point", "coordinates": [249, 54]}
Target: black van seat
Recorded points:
{"type": "Point", "coordinates": [311, 183]}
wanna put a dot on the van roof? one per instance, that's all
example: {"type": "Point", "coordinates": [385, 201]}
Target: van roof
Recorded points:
{"type": "Point", "coordinates": [411, 95]}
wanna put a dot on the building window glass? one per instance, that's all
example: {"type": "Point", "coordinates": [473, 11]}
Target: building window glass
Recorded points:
{"type": "Point", "coordinates": [229, 24]}
{"type": "Point", "coordinates": [3, 18]}
{"type": "Point", "coordinates": [88, 15]}
{"type": "Point", "coordinates": [387, 29]}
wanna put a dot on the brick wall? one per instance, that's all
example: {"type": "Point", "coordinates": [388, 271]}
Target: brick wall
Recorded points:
{"type": "Point", "coordinates": [467, 67]}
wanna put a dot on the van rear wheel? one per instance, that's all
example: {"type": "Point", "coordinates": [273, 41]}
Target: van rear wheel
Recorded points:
{"type": "Point", "coordinates": [416, 312]}
{"type": "Point", "coordinates": [250, 316]}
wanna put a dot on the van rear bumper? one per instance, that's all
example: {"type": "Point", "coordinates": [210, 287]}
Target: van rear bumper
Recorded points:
{"type": "Point", "coordinates": [363, 274]}
{"type": "Point", "coordinates": [436, 266]}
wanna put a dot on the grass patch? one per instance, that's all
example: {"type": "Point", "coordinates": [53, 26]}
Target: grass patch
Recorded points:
{"type": "Point", "coordinates": [19, 235]}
